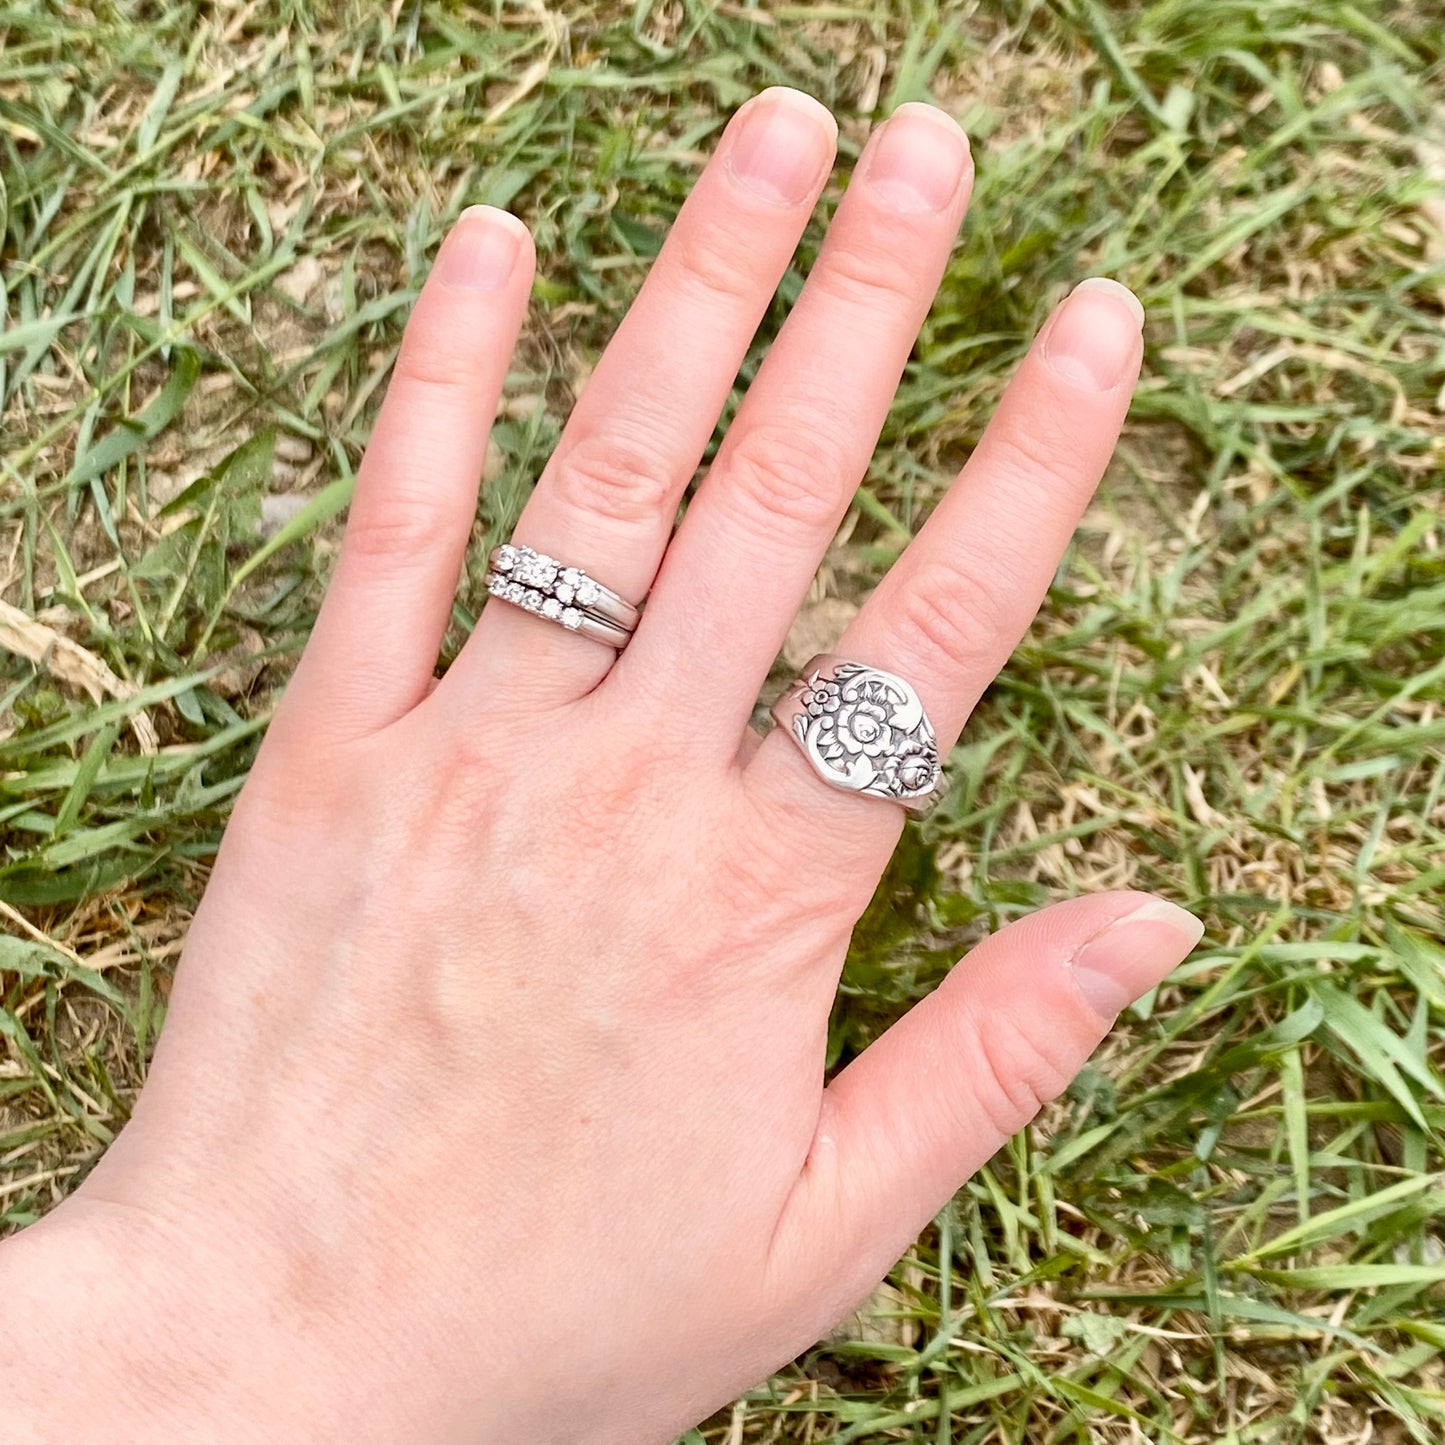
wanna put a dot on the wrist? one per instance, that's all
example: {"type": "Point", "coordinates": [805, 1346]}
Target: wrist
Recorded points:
{"type": "Point", "coordinates": [104, 1340]}
{"type": "Point", "coordinates": [119, 1327]}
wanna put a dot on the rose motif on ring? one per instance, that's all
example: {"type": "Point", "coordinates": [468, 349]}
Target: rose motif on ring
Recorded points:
{"type": "Point", "coordinates": [859, 727]}
{"type": "Point", "coordinates": [914, 768]}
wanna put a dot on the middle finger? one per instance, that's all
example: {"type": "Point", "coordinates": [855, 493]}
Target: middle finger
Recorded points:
{"type": "Point", "coordinates": [746, 551]}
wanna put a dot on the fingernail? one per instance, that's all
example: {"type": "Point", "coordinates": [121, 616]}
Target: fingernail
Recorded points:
{"type": "Point", "coordinates": [918, 159]}
{"type": "Point", "coordinates": [481, 251]}
{"type": "Point", "coordinates": [1093, 338]}
{"type": "Point", "coordinates": [1133, 953]}
{"type": "Point", "coordinates": [783, 145]}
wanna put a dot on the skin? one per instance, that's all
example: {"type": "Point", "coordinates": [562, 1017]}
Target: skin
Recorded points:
{"type": "Point", "coordinates": [490, 1105]}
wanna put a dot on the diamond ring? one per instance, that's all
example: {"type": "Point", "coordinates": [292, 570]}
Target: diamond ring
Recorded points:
{"type": "Point", "coordinates": [561, 594]}
{"type": "Point", "coordinates": [864, 731]}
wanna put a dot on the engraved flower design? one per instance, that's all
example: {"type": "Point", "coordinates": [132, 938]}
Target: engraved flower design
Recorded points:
{"type": "Point", "coordinates": [820, 696]}
{"type": "Point", "coordinates": [858, 727]}
{"type": "Point", "coordinates": [913, 767]}
{"type": "Point", "coordinates": [865, 730]}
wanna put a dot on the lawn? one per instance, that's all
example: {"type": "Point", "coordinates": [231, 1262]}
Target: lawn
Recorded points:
{"type": "Point", "coordinates": [213, 218]}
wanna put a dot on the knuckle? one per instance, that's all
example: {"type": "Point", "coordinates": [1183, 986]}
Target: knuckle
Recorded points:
{"type": "Point", "coordinates": [401, 527]}
{"type": "Point", "coordinates": [432, 362]}
{"type": "Point", "coordinates": [1029, 455]}
{"type": "Point", "coordinates": [471, 770]}
{"type": "Point", "coordinates": [781, 476]}
{"type": "Point", "coordinates": [462, 794]}
{"type": "Point", "coordinates": [862, 275]}
{"type": "Point", "coordinates": [291, 796]}
{"type": "Point", "coordinates": [802, 818]}
{"type": "Point", "coordinates": [796, 800]}
{"type": "Point", "coordinates": [710, 261]}
{"type": "Point", "coordinates": [1021, 1068]}
{"type": "Point", "coordinates": [747, 885]}
{"type": "Point", "coordinates": [743, 876]}
{"type": "Point", "coordinates": [615, 479]}
{"type": "Point", "coordinates": [949, 614]}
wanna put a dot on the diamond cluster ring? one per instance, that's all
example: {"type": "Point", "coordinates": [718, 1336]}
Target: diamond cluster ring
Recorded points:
{"type": "Point", "coordinates": [864, 731]}
{"type": "Point", "coordinates": [561, 594]}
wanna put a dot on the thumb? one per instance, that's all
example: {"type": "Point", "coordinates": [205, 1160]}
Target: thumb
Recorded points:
{"type": "Point", "coordinates": [916, 1113]}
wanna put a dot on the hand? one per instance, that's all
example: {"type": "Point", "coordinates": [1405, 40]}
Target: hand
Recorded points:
{"type": "Point", "coordinates": [490, 1105]}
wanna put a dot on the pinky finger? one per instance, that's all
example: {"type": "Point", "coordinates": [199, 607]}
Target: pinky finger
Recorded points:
{"type": "Point", "coordinates": [375, 644]}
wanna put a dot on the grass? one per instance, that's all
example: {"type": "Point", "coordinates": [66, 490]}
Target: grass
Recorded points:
{"type": "Point", "coordinates": [214, 219]}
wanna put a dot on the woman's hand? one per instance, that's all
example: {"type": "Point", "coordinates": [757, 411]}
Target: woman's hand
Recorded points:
{"type": "Point", "coordinates": [490, 1105]}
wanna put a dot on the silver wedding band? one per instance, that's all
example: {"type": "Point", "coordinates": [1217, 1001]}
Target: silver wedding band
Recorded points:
{"type": "Point", "coordinates": [559, 593]}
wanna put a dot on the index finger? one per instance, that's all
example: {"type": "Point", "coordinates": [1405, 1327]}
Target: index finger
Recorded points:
{"type": "Point", "coordinates": [955, 605]}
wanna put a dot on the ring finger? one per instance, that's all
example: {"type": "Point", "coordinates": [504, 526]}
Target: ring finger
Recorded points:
{"type": "Point", "coordinates": [607, 499]}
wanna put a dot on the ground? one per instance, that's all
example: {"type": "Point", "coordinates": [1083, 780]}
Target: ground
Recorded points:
{"type": "Point", "coordinates": [213, 218]}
